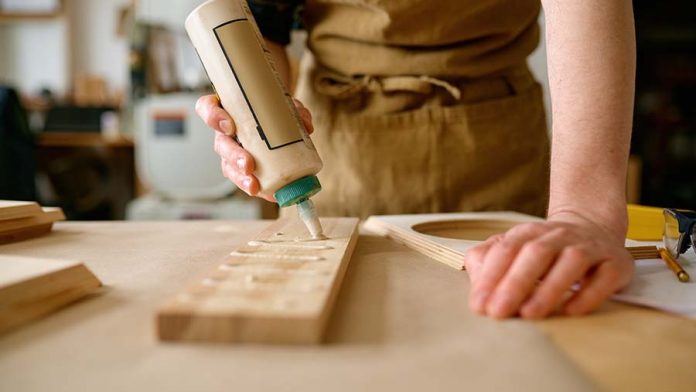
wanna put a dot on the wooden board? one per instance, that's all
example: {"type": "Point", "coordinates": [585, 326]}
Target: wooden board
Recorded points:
{"type": "Point", "coordinates": [31, 288]}
{"type": "Point", "coordinates": [447, 237]}
{"type": "Point", "coordinates": [273, 290]}
{"type": "Point", "coordinates": [25, 234]}
{"type": "Point", "coordinates": [10, 209]}
{"type": "Point", "coordinates": [20, 229]}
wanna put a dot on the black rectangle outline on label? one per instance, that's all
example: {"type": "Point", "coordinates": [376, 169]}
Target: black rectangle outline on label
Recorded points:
{"type": "Point", "coordinates": [262, 134]}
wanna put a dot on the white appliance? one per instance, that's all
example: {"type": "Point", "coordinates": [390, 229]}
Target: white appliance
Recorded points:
{"type": "Point", "coordinates": [151, 207]}
{"type": "Point", "coordinates": [176, 160]}
{"type": "Point", "coordinates": [175, 154]}
{"type": "Point", "coordinates": [174, 148]}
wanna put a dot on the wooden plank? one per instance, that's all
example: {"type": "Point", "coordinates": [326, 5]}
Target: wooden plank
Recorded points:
{"type": "Point", "coordinates": [8, 237]}
{"type": "Point", "coordinates": [275, 289]}
{"type": "Point", "coordinates": [48, 215]}
{"type": "Point", "coordinates": [31, 288]}
{"type": "Point", "coordinates": [10, 209]}
{"type": "Point", "coordinates": [447, 237]}
{"type": "Point", "coordinates": [19, 229]}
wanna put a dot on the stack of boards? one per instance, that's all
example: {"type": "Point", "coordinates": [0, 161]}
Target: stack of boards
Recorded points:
{"type": "Point", "coordinates": [30, 287]}
{"type": "Point", "coordinates": [21, 220]}
{"type": "Point", "coordinates": [278, 288]}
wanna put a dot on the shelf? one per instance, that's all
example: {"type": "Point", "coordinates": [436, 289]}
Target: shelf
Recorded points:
{"type": "Point", "coordinates": [29, 17]}
{"type": "Point", "coordinates": [82, 139]}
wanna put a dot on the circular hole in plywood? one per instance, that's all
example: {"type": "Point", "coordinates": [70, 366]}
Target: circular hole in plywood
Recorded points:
{"type": "Point", "coordinates": [472, 230]}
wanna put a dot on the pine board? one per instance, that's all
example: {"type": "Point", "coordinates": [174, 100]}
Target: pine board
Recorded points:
{"type": "Point", "coordinates": [266, 293]}
{"type": "Point", "coordinates": [46, 216]}
{"type": "Point", "coordinates": [19, 229]}
{"type": "Point", "coordinates": [31, 288]}
{"type": "Point", "coordinates": [10, 209]}
{"type": "Point", "coordinates": [7, 237]}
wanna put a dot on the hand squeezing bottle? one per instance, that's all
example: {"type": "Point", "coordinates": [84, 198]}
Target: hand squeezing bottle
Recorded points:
{"type": "Point", "coordinates": [242, 72]}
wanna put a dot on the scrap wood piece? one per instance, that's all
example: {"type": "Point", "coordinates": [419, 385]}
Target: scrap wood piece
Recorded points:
{"type": "Point", "coordinates": [29, 227]}
{"type": "Point", "coordinates": [643, 252]}
{"type": "Point", "coordinates": [31, 288]}
{"type": "Point", "coordinates": [273, 290]}
{"type": "Point", "coordinates": [25, 234]}
{"type": "Point", "coordinates": [46, 216]}
{"type": "Point", "coordinates": [10, 209]}
{"type": "Point", "coordinates": [447, 237]}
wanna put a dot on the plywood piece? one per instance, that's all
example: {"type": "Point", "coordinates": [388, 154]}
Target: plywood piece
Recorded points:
{"type": "Point", "coordinates": [445, 237]}
{"type": "Point", "coordinates": [273, 290]}
{"type": "Point", "coordinates": [10, 209]}
{"type": "Point", "coordinates": [31, 288]}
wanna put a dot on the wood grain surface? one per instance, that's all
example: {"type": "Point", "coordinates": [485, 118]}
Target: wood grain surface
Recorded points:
{"type": "Point", "coordinates": [279, 288]}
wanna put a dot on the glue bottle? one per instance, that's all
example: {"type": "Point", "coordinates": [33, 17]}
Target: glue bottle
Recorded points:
{"type": "Point", "coordinates": [242, 72]}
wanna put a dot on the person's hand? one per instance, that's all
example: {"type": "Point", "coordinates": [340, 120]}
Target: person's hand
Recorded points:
{"type": "Point", "coordinates": [530, 270]}
{"type": "Point", "coordinates": [236, 162]}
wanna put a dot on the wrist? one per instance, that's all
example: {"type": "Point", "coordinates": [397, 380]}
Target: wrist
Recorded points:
{"type": "Point", "coordinates": [613, 221]}
{"type": "Point", "coordinates": [580, 201]}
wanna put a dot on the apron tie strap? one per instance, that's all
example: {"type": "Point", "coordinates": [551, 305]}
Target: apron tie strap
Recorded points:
{"type": "Point", "coordinates": [342, 87]}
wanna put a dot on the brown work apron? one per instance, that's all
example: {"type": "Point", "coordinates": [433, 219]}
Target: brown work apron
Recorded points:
{"type": "Point", "coordinates": [422, 144]}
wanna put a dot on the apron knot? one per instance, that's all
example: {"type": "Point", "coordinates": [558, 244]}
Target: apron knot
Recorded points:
{"type": "Point", "coordinates": [342, 87]}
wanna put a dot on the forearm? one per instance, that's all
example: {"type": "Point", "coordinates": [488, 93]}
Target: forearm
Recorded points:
{"type": "Point", "coordinates": [275, 20]}
{"type": "Point", "coordinates": [591, 59]}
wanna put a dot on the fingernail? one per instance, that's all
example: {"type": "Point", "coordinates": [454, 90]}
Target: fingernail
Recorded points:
{"type": "Point", "coordinates": [478, 301]}
{"type": "Point", "coordinates": [226, 126]}
{"type": "Point", "coordinates": [571, 310]}
{"type": "Point", "coordinates": [532, 309]}
{"type": "Point", "coordinates": [241, 163]}
{"type": "Point", "coordinates": [247, 184]}
{"type": "Point", "coordinates": [500, 307]}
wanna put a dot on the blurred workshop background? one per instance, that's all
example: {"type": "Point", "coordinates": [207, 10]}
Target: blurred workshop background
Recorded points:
{"type": "Point", "coordinates": [97, 98]}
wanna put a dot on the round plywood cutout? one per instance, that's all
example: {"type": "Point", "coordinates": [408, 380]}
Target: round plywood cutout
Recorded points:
{"type": "Point", "coordinates": [471, 230]}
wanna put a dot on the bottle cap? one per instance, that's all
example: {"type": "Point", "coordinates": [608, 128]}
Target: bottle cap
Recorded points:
{"type": "Point", "coordinates": [298, 191]}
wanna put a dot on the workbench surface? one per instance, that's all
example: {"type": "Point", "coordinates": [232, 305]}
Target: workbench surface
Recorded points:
{"type": "Point", "coordinates": [401, 323]}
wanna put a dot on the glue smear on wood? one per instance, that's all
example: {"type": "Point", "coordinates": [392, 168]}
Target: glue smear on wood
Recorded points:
{"type": "Point", "coordinates": [279, 256]}
{"type": "Point", "coordinates": [289, 245]}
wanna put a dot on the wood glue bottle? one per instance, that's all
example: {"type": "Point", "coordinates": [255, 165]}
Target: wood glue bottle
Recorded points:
{"type": "Point", "coordinates": [242, 72]}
